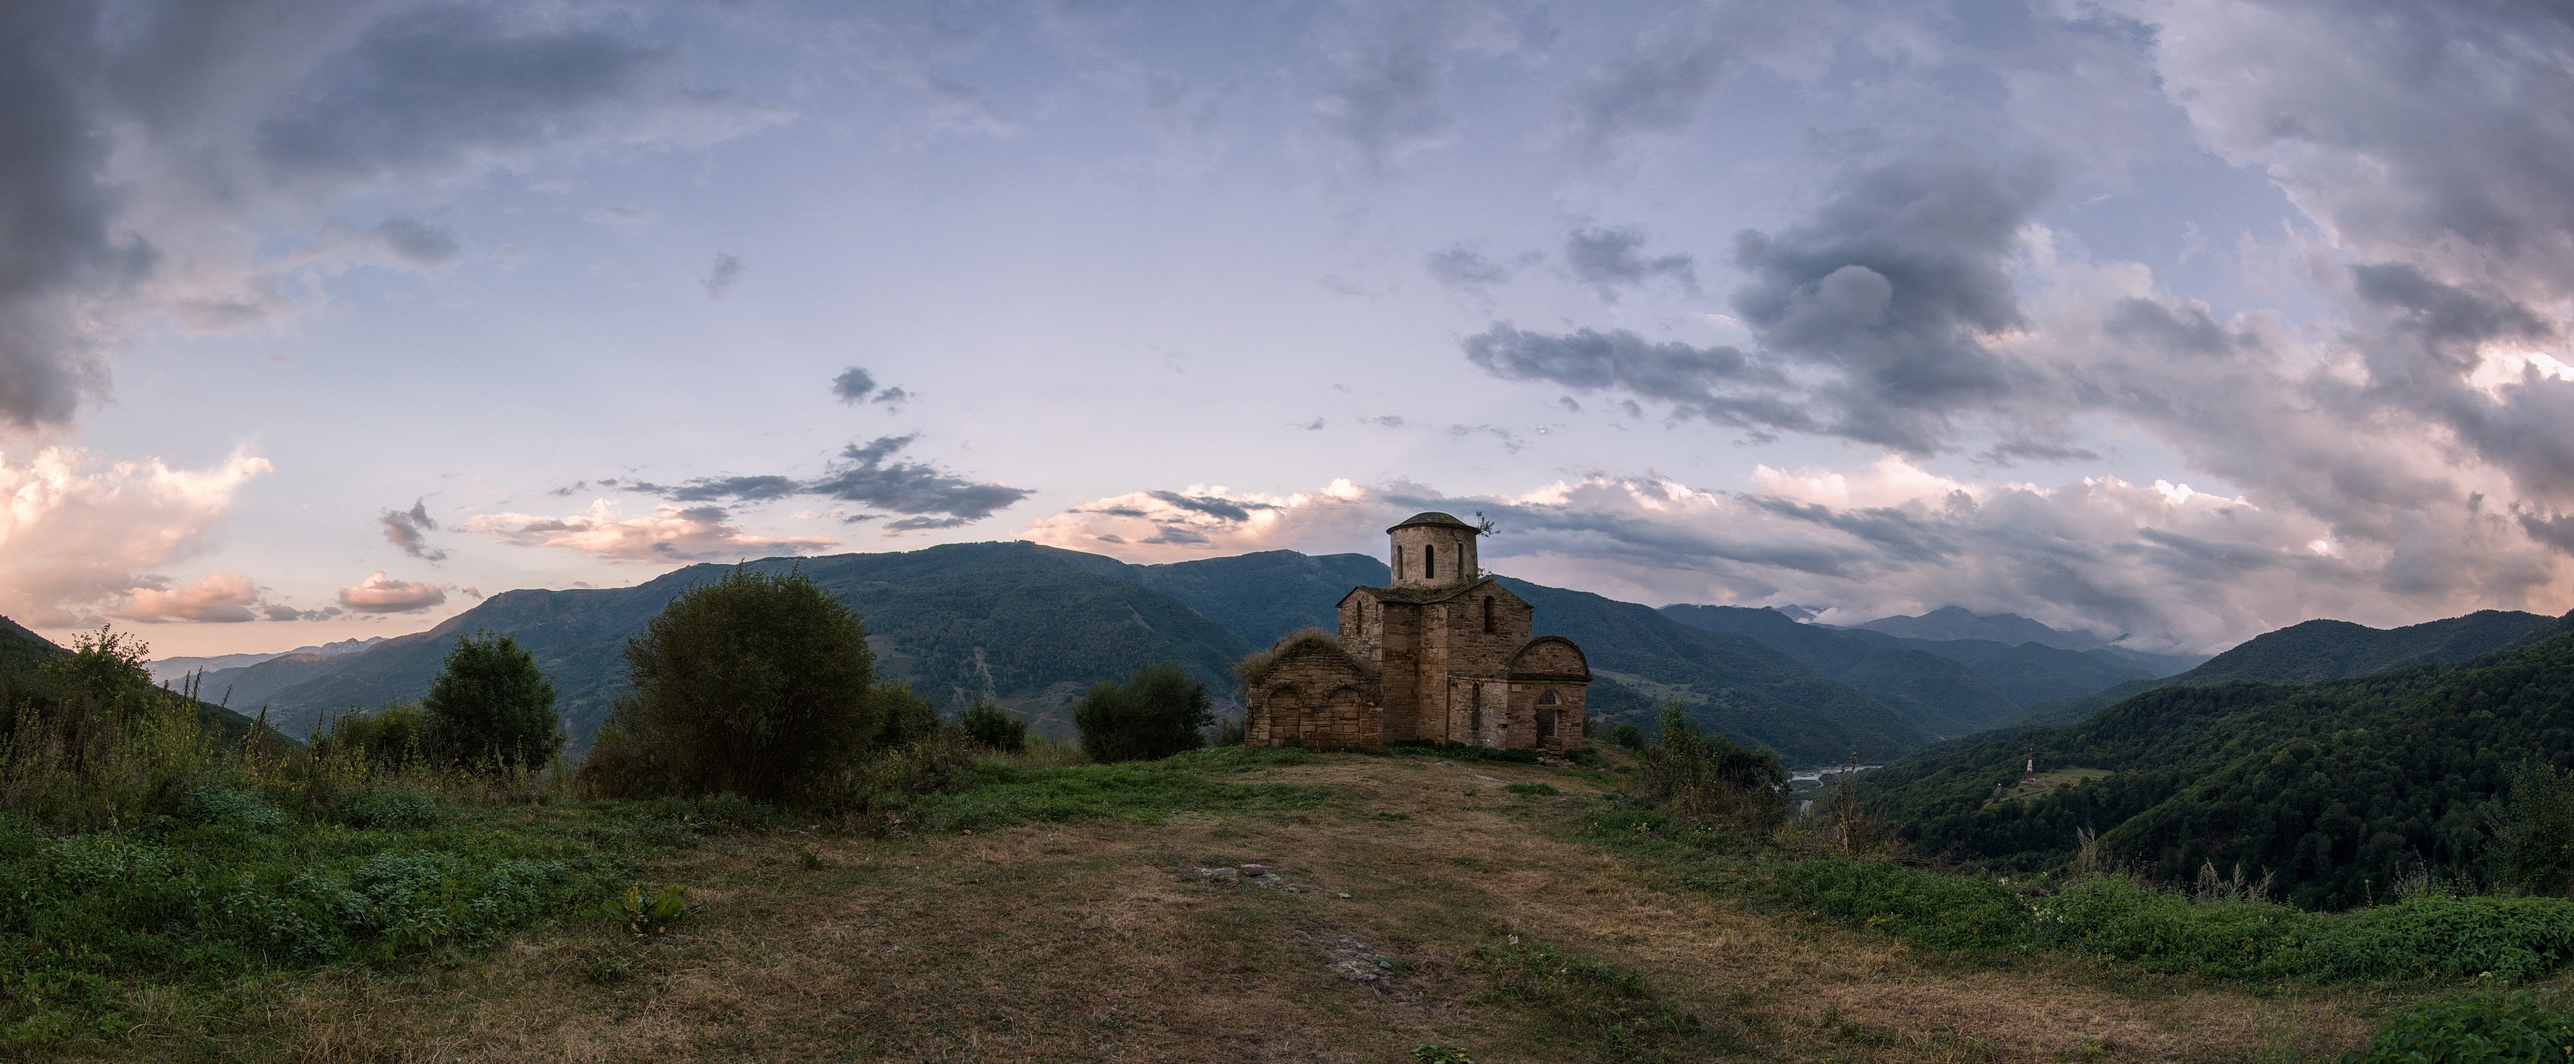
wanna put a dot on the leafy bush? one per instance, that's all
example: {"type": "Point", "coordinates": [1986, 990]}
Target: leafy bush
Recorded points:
{"type": "Point", "coordinates": [491, 704]}
{"type": "Point", "coordinates": [2533, 845]}
{"type": "Point", "coordinates": [1710, 777]}
{"type": "Point", "coordinates": [86, 740]}
{"type": "Point", "coordinates": [1156, 713]}
{"type": "Point", "coordinates": [394, 737]}
{"type": "Point", "coordinates": [1626, 734]}
{"type": "Point", "coordinates": [2473, 1029]}
{"type": "Point", "coordinates": [989, 724]}
{"type": "Point", "coordinates": [907, 718]}
{"type": "Point", "coordinates": [757, 684]}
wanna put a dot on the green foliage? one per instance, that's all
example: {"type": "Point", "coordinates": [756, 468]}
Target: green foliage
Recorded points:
{"type": "Point", "coordinates": [2474, 1029]}
{"type": "Point", "coordinates": [2342, 789]}
{"type": "Point", "coordinates": [1626, 734]}
{"type": "Point", "coordinates": [906, 718]}
{"type": "Point", "coordinates": [1440, 1053]}
{"type": "Point", "coordinates": [246, 878]}
{"type": "Point", "coordinates": [87, 741]}
{"type": "Point", "coordinates": [491, 705]}
{"type": "Point", "coordinates": [755, 684]}
{"type": "Point", "coordinates": [989, 724]}
{"type": "Point", "coordinates": [1710, 777]}
{"type": "Point", "coordinates": [394, 737]}
{"type": "Point", "coordinates": [2533, 846]}
{"type": "Point", "coordinates": [1156, 713]}
{"type": "Point", "coordinates": [648, 915]}
{"type": "Point", "coordinates": [1602, 1007]}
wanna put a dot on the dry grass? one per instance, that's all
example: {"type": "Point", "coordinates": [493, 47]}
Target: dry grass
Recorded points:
{"type": "Point", "coordinates": [1097, 942]}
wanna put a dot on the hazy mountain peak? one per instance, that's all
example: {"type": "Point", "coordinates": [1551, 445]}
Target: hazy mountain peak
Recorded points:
{"type": "Point", "coordinates": [1957, 622]}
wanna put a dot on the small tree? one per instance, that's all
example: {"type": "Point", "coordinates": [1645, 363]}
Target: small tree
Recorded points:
{"type": "Point", "coordinates": [907, 717]}
{"type": "Point", "coordinates": [989, 724]}
{"type": "Point", "coordinates": [756, 684]}
{"type": "Point", "coordinates": [492, 704]}
{"type": "Point", "coordinates": [1156, 713]}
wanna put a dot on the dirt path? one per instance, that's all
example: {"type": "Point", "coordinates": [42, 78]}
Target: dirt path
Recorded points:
{"type": "Point", "coordinates": [1098, 942]}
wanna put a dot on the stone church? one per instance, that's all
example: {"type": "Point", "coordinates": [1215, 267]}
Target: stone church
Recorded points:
{"type": "Point", "coordinates": [1444, 655]}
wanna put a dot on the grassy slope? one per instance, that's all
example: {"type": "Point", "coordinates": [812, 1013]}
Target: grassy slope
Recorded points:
{"type": "Point", "coordinates": [1092, 940]}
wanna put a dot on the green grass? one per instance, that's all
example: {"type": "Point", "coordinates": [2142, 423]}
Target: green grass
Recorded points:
{"type": "Point", "coordinates": [986, 794]}
{"type": "Point", "coordinates": [239, 888]}
{"type": "Point", "coordinates": [2430, 938]}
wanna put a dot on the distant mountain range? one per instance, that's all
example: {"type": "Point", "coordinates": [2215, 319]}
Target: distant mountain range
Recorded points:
{"type": "Point", "coordinates": [172, 670]}
{"type": "Point", "coordinates": [1034, 626]}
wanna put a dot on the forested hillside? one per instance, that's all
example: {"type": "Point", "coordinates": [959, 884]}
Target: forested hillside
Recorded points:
{"type": "Point", "coordinates": [1007, 619]}
{"type": "Point", "coordinates": [1942, 696]}
{"type": "Point", "coordinates": [1036, 625]}
{"type": "Point", "coordinates": [2321, 650]}
{"type": "Point", "coordinates": [2338, 788]}
{"type": "Point", "coordinates": [1728, 682]}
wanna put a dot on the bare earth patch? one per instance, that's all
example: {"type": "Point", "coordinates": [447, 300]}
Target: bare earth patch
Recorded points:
{"type": "Point", "coordinates": [1104, 941]}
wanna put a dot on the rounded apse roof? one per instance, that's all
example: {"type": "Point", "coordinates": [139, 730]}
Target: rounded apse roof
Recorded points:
{"type": "Point", "coordinates": [1436, 518]}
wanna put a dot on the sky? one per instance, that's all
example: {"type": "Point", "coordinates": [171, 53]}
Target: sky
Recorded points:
{"type": "Point", "coordinates": [2175, 321]}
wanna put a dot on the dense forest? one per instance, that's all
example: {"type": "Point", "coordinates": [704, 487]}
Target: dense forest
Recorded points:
{"type": "Point", "coordinates": [2340, 791]}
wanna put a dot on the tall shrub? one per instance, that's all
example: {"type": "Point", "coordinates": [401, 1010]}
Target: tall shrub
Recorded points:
{"type": "Point", "coordinates": [491, 704]}
{"type": "Point", "coordinates": [756, 684]}
{"type": "Point", "coordinates": [989, 724]}
{"type": "Point", "coordinates": [1156, 713]}
{"type": "Point", "coordinates": [1700, 776]}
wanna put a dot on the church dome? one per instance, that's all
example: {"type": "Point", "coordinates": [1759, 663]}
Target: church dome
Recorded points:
{"type": "Point", "coordinates": [1435, 519]}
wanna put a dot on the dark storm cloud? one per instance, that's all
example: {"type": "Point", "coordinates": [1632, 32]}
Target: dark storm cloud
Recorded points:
{"type": "Point", "coordinates": [1611, 259]}
{"type": "Point", "coordinates": [1640, 538]}
{"type": "Point", "coordinates": [2181, 331]}
{"type": "Point", "coordinates": [1465, 268]}
{"type": "Point", "coordinates": [1890, 287]}
{"type": "Point", "coordinates": [56, 241]}
{"type": "Point", "coordinates": [1894, 533]}
{"type": "Point", "coordinates": [868, 475]}
{"type": "Point", "coordinates": [408, 530]}
{"type": "Point", "coordinates": [324, 99]}
{"type": "Point", "coordinates": [1720, 384]}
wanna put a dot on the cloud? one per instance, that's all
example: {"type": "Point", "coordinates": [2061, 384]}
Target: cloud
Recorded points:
{"type": "Point", "coordinates": [1466, 269]}
{"type": "Point", "coordinates": [186, 163]}
{"type": "Point", "coordinates": [382, 594]}
{"type": "Point", "coordinates": [721, 278]}
{"type": "Point", "coordinates": [853, 385]}
{"type": "Point", "coordinates": [1389, 74]}
{"type": "Point", "coordinates": [407, 529]}
{"type": "Point", "coordinates": [78, 536]}
{"type": "Point", "coordinates": [1609, 259]}
{"type": "Point", "coordinates": [216, 597]}
{"type": "Point", "coordinates": [865, 474]}
{"type": "Point", "coordinates": [2172, 568]}
{"type": "Point", "coordinates": [1658, 83]}
{"type": "Point", "coordinates": [1722, 385]}
{"type": "Point", "coordinates": [671, 536]}
{"type": "Point", "coordinates": [1892, 288]}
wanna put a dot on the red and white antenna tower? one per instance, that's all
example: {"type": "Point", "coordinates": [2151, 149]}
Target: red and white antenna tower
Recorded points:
{"type": "Point", "coordinates": [2031, 776]}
